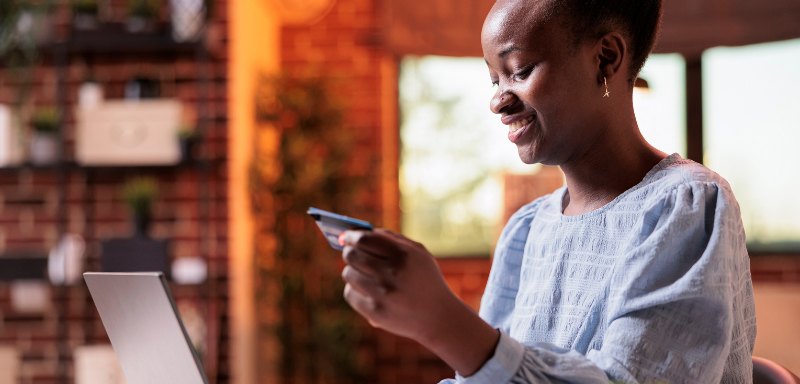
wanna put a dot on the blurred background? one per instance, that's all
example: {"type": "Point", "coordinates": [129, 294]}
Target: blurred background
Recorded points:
{"type": "Point", "coordinates": [190, 136]}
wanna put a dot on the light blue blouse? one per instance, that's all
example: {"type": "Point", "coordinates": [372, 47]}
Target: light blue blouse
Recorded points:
{"type": "Point", "coordinates": [653, 287]}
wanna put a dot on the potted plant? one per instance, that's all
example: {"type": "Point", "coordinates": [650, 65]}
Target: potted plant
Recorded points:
{"type": "Point", "coordinates": [84, 14]}
{"type": "Point", "coordinates": [187, 137]}
{"type": "Point", "coordinates": [32, 22]}
{"type": "Point", "coordinates": [45, 139]}
{"type": "Point", "coordinates": [141, 15]}
{"type": "Point", "coordinates": [138, 195]}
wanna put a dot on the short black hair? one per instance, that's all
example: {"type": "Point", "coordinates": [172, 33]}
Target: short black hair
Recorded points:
{"type": "Point", "coordinates": [638, 21]}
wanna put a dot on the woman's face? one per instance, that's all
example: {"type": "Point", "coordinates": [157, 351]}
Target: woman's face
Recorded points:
{"type": "Point", "coordinates": [548, 91]}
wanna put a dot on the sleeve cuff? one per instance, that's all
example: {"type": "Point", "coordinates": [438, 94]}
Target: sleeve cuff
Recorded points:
{"type": "Point", "coordinates": [501, 367]}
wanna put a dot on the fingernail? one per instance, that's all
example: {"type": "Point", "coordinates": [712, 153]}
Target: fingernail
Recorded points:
{"type": "Point", "coordinates": [341, 239]}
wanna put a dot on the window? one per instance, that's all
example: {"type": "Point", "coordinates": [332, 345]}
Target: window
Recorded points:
{"type": "Point", "coordinates": [452, 149]}
{"type": "Point", "coordinates": [751, 102]}
{"type": "Point", "coordinates": [456, 157]}
{"type": "Point", "coordinates": [661, 108]}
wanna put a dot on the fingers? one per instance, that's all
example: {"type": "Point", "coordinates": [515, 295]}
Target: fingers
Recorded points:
{"type": "Point", "coordinates": [367, 284]}
{"type": "Point", "coordinates": [380, 245]}
{"type": "Point", "coordinates": [402, 239]}
{"type": "Point", "coordinates": [377, 242]}
{"type": "Point", "coordinates": [363, 304]}
{"type": "Point", "coordinates": [367, 262]}
{"type": "Point", "coordinates": [363, 292]}
{"type": "Point", "coordinates": [393, 234]}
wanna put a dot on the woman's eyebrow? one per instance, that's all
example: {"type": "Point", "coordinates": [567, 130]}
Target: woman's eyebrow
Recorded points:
{"type": "Point", "coordinates": [505, 52]}
{"type": "Point", "coordinates": [508, 50]}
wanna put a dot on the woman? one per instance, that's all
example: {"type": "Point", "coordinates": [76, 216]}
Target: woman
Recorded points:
{"type": "Point", "coordinates": [635, 271]}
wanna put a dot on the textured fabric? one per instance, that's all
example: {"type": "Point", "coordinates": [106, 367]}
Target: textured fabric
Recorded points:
{"type": "Point", "coordinates": [501, 368]}
{"type": "Point", "coordinates": [653, 287]}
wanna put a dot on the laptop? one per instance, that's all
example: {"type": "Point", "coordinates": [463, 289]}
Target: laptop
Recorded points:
{"type": "Point", "coordinates": [144, 327]}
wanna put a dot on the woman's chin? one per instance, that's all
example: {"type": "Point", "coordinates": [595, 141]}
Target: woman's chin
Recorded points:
{"type": "Point", "coordinates": [528, 157]}
{"type": "Point", "coordinates": [528, 152]}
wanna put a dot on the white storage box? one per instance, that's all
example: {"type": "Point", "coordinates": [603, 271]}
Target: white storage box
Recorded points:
{"type": "Point", "coordinates": [10, 139]}
{"type": "Point", "coordinates": [9, 365]}
{"type": "Point", "coordinates": [142, 132]}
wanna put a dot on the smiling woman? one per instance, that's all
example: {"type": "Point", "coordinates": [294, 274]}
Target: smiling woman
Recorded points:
{"type": "Point", "coordinates": [635, 271]}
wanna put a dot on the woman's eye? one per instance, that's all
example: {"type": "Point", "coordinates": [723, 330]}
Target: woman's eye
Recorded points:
{"type": "Point", "coordinates": [523, 74]}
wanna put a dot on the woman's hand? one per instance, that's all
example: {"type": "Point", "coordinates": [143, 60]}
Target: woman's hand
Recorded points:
{"type": "Point", "coordinates": [396, 285]}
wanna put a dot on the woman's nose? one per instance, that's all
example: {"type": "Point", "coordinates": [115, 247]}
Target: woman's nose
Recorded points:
{"type": "Point", "coordinates": [501, 101]}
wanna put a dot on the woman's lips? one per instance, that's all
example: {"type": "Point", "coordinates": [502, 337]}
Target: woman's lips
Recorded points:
{"type": "Point", "coordinates": [517, 128]}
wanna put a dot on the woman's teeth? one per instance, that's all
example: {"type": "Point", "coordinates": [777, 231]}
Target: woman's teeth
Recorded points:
{"type": "Point", "coordinates": [515, 126]}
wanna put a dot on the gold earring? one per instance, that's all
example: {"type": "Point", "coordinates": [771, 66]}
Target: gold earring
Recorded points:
{"type": "Point", "coordinates": [606, 84]}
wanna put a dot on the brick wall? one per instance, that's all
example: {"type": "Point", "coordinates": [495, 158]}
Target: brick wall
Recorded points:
{"type": "Point", "coordinates": [342, 46]}
{"type": "Point", "coordinates": [34, 209]}
{"type": "Point", "coordinates": [345, 45]}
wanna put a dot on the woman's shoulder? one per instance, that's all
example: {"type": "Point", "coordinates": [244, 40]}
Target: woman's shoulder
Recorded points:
{"type": "Point", "coordinates": [684, 198]}
{"type": "Point", "coordinates": [676, 176]}
{"type": "Point", "coordinates": [680, 193]}
{"type": "Point", "coordinates": [679, 171]}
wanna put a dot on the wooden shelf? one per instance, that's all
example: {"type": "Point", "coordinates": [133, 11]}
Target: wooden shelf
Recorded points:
{"type": "Point", "coordinates": [111, 42]}
{"type": "Point", "coordinates": [775, 248]}
{"type": "Point", "coordinates": [23, 266]}
{"type": "Point", "coordinates": [71, 165]}
{"type": "Point", "coordinates": [113, 39]}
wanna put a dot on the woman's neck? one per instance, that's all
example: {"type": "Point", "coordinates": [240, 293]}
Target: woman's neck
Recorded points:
{"type": "Point", "coordinates": [609, 168]}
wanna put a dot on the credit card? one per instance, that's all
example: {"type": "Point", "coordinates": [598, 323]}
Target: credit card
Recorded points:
{"type": "Point", "coordinates": [333, 225]}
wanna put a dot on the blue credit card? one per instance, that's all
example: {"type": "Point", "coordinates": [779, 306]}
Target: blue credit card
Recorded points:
{"type": "Point", "coordinates": [332, 225]}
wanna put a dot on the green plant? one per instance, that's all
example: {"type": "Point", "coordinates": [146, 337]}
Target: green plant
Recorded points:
{"type": "Point", "coordinates": [139, 193]}
{"type": "Point", "coordinates": [18, 43]}
{"type": "Point", "coordinates": [86, 7]}
{"type": "Point", "coordinates": [144, 8]}
{"type": "Point", "coordinates": [187, 132]}
{"type": "Point", "coordinates": [8, 8]}
{"type": "Point", "coordinates": [309, 164]}
{"type": "Point", "coordinates": [46, 120]}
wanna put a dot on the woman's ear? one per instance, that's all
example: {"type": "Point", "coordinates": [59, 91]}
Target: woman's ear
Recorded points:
{"type": "Point", "coordinates": [611, 54]}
